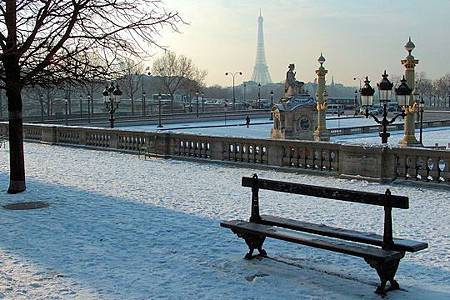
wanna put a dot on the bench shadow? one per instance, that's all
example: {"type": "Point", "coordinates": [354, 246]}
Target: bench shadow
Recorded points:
{"type": "Point", "coordinates": [121, 248]}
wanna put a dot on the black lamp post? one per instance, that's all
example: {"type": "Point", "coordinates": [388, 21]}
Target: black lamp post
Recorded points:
{"type": "Point", "coordinates": [271, 104]}
{"type": "Point", "coordinates": [232, 76]}
{"type": "Point", "coordinates": [111, 98]}
{"type": "Point", "coordinates": [356, 102]}
{"type": "Point", "coordinates": [88, 106]}
{"type": "Point", "coordinates": [143, 104]}
{"type": "Point", "coordinates": [66, 104]}
{"type": "Point", "coordinates": [259, 96]}
{"type": "Point", "coordinates": [159, 110]}
{"type": "Point", "coordinates": [385, 88]}
{"type": "Point", "coordinates": [421, 109]}
{"type": "Point", "coordinates": [196, 95]}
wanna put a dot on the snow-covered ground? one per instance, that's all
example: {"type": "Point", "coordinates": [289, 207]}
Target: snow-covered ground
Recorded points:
{"type": "Point", "coordinates": [123, 228]}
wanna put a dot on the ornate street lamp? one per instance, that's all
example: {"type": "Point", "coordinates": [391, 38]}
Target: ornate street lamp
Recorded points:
{"type": "Point", "coordinates": [232, 76]}
{"type": "Point", "coordinates": [143, 104]}
{"type": "Point", "coordinates": [111, 99]}
{"type": "Point", "coordinates": [159, 110]}
{"type": "Point", "coordinates": [403, 93]}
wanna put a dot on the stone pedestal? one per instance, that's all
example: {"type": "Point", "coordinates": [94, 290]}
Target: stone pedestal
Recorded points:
{"type": "Point", "coordinates": [295, 119]}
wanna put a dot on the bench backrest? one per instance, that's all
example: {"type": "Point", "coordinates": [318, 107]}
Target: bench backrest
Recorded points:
{"type": "Point", "coordinates": [327, 192]}
{"type": "Point", "coordinates": [386, 200]}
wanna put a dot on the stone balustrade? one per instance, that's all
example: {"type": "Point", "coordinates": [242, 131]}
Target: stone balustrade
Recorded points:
{"type": "Point", "coordinates": [371, 162]}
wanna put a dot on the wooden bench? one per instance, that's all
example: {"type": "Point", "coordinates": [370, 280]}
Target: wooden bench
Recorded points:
{"type": "Point", "coordinates": [382, 253]}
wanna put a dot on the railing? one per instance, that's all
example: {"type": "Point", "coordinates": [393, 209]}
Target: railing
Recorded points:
{"type": "Point", "coordinates": [392, 127]}
{"type": "Point", "coordinates": [311, 155]}
{"type": "Point", "coordinates": [422, 164]}
{"type": "Point", "coordinates": [375, 162]}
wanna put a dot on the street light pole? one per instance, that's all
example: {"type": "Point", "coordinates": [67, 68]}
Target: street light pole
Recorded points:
{"type": "Point", "coordinates": [259, 96]}
{"type": "Point", "coordinates": [66, 102]}
{"type": "Point", "coordinates": [143, 104]}
{"type": "Point", "coordinates": [196, 95]}
{"type": "Point", "coordinates": [88, 106]}
{"type": "Point", "coordinates": [385, 87]}
{"type": "Point", "coordinates": [421, 106]}
{"type": "Point", "coordinates": [232, 76]}
{"type": "Point", "coordinates": [159, 111]}
{"type": "Point", "coordinates": [111, 99]}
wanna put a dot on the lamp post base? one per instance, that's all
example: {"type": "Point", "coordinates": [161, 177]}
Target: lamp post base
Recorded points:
{"type": "Point", "coordinates": [409, 141]}
{"type": "Point", "coordinates": [322, 135]}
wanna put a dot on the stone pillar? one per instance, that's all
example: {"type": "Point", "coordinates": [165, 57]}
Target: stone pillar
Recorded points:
{"type": "Point", "coordinates": [48, 135]}
{"type": "Point", "coordinates": [409, 138]}
{"type": "Point", "coordinates": [321, 133]}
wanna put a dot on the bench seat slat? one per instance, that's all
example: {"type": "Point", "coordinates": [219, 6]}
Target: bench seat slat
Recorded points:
{"type": "Point", "coordinates": [328, 192]}
{"type": "Point", "coordinates": [354, 249]}
{"type": "Point", "coordinates": [351, 235]}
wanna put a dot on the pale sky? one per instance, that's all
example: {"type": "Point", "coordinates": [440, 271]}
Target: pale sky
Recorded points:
{"type": "Point", "coordinates": [357, 37]}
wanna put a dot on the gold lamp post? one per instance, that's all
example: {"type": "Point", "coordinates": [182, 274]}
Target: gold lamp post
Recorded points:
{"type": "Point", "coordinates": [411, 107]}
{"type": "Point", "coordinates": [321, 133]}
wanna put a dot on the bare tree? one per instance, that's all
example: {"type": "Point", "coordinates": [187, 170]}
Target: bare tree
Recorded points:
{"type": "Point", "coordinates": [441, 89]}
{"type": "Point", "coordinates": [49, 41]}
{"type": "Point", "coordinates": [131, 79]}
{"type": "Point", "coordinates": [174, 71]}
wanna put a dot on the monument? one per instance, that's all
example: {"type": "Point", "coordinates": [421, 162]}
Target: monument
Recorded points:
{"type": "Point", "coordinates": [295, 117]}
{"type": "Point", "coordinates": [261, 70]}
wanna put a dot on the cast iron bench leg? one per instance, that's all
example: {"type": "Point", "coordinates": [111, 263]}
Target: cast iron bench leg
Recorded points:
{"type": "Point", "coordinates": [253, 242]}
{"type": "Point", "coordinates": [386, 271]}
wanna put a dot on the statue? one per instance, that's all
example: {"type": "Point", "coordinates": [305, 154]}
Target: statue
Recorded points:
{"type": "Point", "coordinates": [292, 87]}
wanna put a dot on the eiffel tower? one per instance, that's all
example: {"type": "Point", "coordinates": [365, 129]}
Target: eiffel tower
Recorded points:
{"type": "Point", "coordinates": [261, 71]}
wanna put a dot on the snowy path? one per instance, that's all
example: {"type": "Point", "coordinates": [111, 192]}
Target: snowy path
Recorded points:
{"type": "Point", "coordinates": [123, 228]}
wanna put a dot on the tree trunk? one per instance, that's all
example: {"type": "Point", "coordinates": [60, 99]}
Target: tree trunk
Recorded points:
{"type": "Point", "coordinates": [16, 155]}
{"type": "Point", "coordinates": [13, 92]}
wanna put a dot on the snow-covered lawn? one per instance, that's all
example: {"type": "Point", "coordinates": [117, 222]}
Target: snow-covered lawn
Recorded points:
{"type": "Point", "coordinates": [123, 228]}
